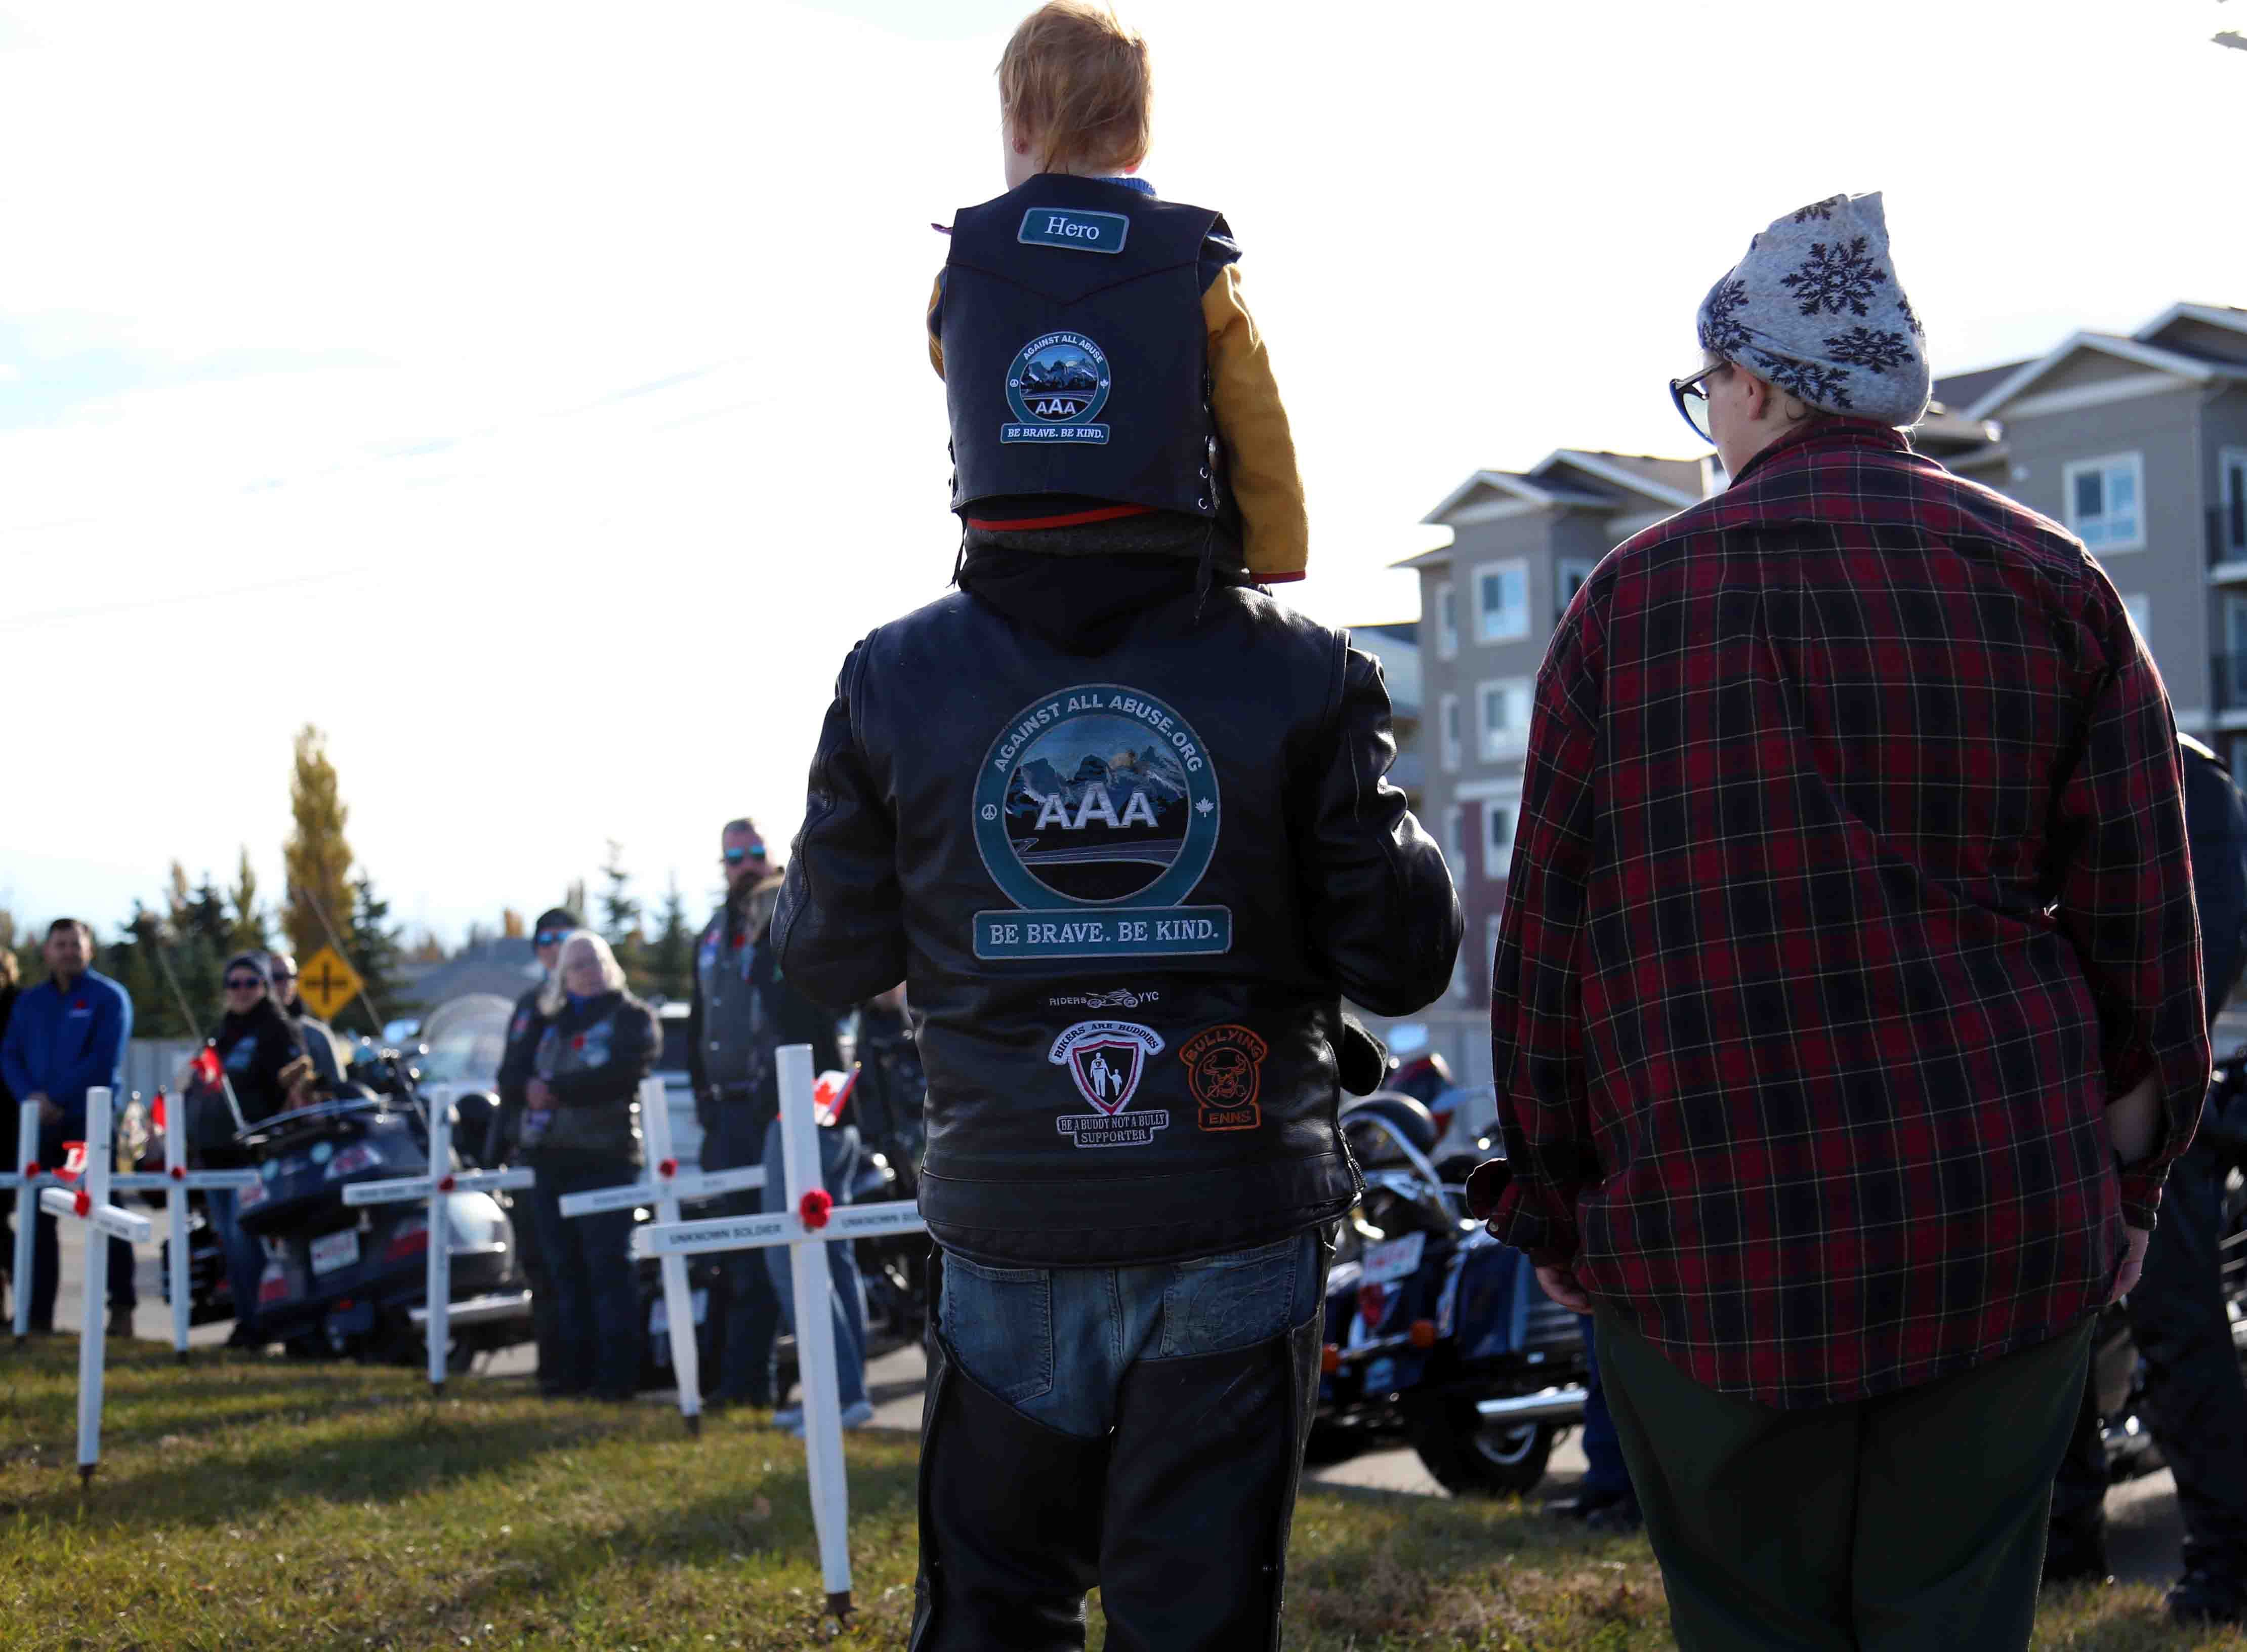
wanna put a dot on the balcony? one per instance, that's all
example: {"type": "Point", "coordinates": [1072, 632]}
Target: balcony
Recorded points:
{"type": "Point", "coordinates": [2227, 540]}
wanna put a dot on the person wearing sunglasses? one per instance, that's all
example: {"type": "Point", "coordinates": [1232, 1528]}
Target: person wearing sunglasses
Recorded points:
{"type": "Point", "coordinates": [1847, 1000]}
{"type": "Point", "coordinates": [504, 1145]}
{"type": "Point", "coordinates": [319, 1039]}
{"type": "Point", "coordinates": [255, 1042]}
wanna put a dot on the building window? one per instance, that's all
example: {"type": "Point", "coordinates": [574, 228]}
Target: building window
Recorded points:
{"type": "Point", "coordinates": [1447, 621]}
{"type": "Point", "coordinates": [1503, 710]}
{"type": "Point", "coordinates": [1459, 982]}
{"type": "Point", "coordinates": [1568, 580]}
{"type": "Point", "coordinates": [1448, 712]}
{"type": "Point", "coordinates": [1490, 928]}
{"type": "Point", "coordinates": [1499, 821]}
{"type": "Point", "coordinates": [1455, 841]}
{"type": "Point", "coordinates": [1502, 602]}
{"type": "Point", "coordinates": [2104, 502]}
{"type": "Point", "coordinates": [2140, 607]}
{"type": "Point", "coordinates": [2231, 499]}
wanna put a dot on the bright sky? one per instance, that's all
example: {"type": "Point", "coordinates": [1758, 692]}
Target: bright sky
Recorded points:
{"type": "Point", "coordinates": [534, 396]}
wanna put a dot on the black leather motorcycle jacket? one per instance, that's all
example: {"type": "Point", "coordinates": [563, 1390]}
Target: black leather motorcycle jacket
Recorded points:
{"type": "Point", "coordinates": [1075, 352]}
{"type": "Point", "coordinates": [1127, 891]}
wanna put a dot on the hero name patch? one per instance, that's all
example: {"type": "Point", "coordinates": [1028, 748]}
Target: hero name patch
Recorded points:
{"type": "Point", "coordinates": [1106, 1060]}
{"type": "Point", "coordinates": [1097, 813]}
{"type": "Point", "coordinates": [1057, 386]}
{"type": "Point", "coordinates": [1077, 231]}
{"type": "Point", "coordinates": [1225, 1070]}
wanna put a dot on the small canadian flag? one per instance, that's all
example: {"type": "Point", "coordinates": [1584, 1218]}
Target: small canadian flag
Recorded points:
{"type": "Point", "coordinates": [830, 1092]}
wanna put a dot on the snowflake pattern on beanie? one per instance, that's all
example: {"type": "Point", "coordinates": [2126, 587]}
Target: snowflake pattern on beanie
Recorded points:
{"type": "Point", "coordinates": [1816, 307]}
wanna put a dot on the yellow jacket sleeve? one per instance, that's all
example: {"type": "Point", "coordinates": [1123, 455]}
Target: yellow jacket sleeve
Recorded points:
{"type": "Point", "coordinates": [935, 343]}
{"type": "Point", "coordinates": [1259, 450]}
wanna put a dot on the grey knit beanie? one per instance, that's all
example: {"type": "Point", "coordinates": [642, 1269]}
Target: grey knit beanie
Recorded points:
{"type": "Point", "coordinates": [1816, 307]}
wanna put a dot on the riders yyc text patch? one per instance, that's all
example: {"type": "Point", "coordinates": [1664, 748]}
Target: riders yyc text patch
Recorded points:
{"type": "Point", "coordinates": [1097, 813]}
{"type": "Point", "coordinates": [1106, 1060]}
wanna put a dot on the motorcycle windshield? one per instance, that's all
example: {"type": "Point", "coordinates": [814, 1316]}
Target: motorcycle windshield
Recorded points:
{"type": "Point", "coordinates": [464, 1039]}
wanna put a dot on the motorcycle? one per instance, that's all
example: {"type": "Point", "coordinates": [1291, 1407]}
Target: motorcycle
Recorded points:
{"type": "Point", "coordinates": [1435, 1329]}
{"type": "Point", "coordinates": [345, 1281]}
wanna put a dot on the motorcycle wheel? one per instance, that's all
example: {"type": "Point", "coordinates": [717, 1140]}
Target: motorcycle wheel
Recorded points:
{"type": "Point", "coordinates": [1472, 1458]}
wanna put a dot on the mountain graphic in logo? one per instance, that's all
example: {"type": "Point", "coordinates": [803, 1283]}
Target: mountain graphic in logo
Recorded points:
{"type": "Point", "coordinates": [1096, 813]}
{"type": "Point", "coordinates": [1060, 369]}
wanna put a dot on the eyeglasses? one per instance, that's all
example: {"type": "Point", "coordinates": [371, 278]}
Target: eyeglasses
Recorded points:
{"type": "Point", "coordinates": [548, 937]}
{"type": "Point", "coordinates": [243, 983]}
{"type": "Point", "coordinates": [735, 856]}
{"type": "Point", "coordinates": [280, 975]}
{"type": "Point", "coordinates": [1691, 397]}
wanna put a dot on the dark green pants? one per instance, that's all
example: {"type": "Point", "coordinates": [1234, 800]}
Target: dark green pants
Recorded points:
{"type": "Point", "coordinates": [1899, 1524]}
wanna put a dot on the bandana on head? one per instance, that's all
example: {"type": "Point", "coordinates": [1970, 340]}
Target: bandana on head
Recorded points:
{"type": "Point", "coordinates": [1816, 307]}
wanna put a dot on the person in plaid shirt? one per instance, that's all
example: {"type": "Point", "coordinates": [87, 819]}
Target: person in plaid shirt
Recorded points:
{"type": "Point", "coordinates": [1847, 1008]}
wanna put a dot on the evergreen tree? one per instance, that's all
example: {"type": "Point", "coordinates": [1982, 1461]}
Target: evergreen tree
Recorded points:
{"type": "Point", "coordinates": [249, 928]}
{"type": "Point", "coordinates": [670, 959]}
{"type": "Point", "coordinates": [372, 944]}
{"type": "Point", "coordinates": [194, 938]}
{"type": "Point", "coordinates": [318, 858]}
{"type": "Point", "coordinates": [620, 919]}
{"type": "Point", "coordinates": [573, 898]}
{"type": "Point", "coordinates": [130, 961]}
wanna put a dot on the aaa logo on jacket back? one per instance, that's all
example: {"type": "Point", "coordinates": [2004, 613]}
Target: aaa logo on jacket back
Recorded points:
{"type": "Point", "coordinates": [1097, 813]}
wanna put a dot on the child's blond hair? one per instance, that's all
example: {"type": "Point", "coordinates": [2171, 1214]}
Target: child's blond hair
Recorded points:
{"type": "Point", "coordinates": [1078, 81]}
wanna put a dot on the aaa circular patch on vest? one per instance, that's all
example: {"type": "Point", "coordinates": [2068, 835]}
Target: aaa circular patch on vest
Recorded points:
{"type": "Point", "coordinates": [1097, 813]}
{"type": "Point", "coordinates": [1056, 385]}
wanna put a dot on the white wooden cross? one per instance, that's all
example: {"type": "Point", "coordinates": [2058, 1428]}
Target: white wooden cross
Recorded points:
{"type": "Point", "coordinates": [26, 1176]}
{"type": "Point", "coordinates": [89, 1203]}
{"type": "Point", "coordinates": [436, 1188]}
{"type": "Point", "coordinates": [808, 1226]}
{"type": "Point", "coordinates": [665, 1186]}
{"type": "Point", "coordinates": [175, 1181]}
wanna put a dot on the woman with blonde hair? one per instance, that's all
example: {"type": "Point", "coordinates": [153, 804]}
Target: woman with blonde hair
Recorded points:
{"type": "Point", "coordinates": [577, 1135]}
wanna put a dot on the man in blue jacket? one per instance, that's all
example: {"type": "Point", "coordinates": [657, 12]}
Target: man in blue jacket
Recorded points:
{"type": "Point", "coordinates": [66, 1037]}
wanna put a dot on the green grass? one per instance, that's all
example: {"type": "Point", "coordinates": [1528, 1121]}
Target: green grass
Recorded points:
{"type": "Point", "coordinates": [257, 1503]}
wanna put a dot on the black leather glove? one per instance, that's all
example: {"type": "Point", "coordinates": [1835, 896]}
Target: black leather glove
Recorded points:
{"type": "Point", "coordinates": [1363, 1059]}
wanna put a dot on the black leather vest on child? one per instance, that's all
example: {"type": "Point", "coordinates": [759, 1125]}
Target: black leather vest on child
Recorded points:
{"type": "Point", "coordinates": [1076, 355]}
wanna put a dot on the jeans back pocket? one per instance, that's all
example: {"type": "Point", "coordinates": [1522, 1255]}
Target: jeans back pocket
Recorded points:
{"type": "Point", "coordinates": [998, 1322]}
{"type": "Point", "coordinates": [1237, 1298]}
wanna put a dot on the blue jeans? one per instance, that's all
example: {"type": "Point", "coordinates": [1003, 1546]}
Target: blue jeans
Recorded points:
{"type": "Point", "coordinates": [846, 1296]}
{"type": "Point", "coordinates": [245, 1255]}
{"type": "Point", "coordinates": [597, 1336]}
{"type": "Point", "coordinates": [1605, 1474]}
{"type": "Point", "coordinates": [1056, 1342]}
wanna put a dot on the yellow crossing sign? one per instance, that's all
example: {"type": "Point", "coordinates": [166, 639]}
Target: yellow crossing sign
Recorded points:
{"type": "Point", "coordinates": [327, 983]}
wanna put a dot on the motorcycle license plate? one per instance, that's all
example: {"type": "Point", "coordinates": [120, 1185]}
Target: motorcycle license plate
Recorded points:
{"type": "Point", "coordinates": [1397, 1259]}
{"type": "Point", "coordinates": [332, 1250]}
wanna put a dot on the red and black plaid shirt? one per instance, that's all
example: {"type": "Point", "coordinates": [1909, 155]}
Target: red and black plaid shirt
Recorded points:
{"type": "Point", "coordinates": [1851, 884]}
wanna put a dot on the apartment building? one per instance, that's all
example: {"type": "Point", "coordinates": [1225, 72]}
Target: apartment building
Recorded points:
{"type": "Point", "coordinates": [2137, 443]}
{"type": "Point", "coordinates": [1522, 542]}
